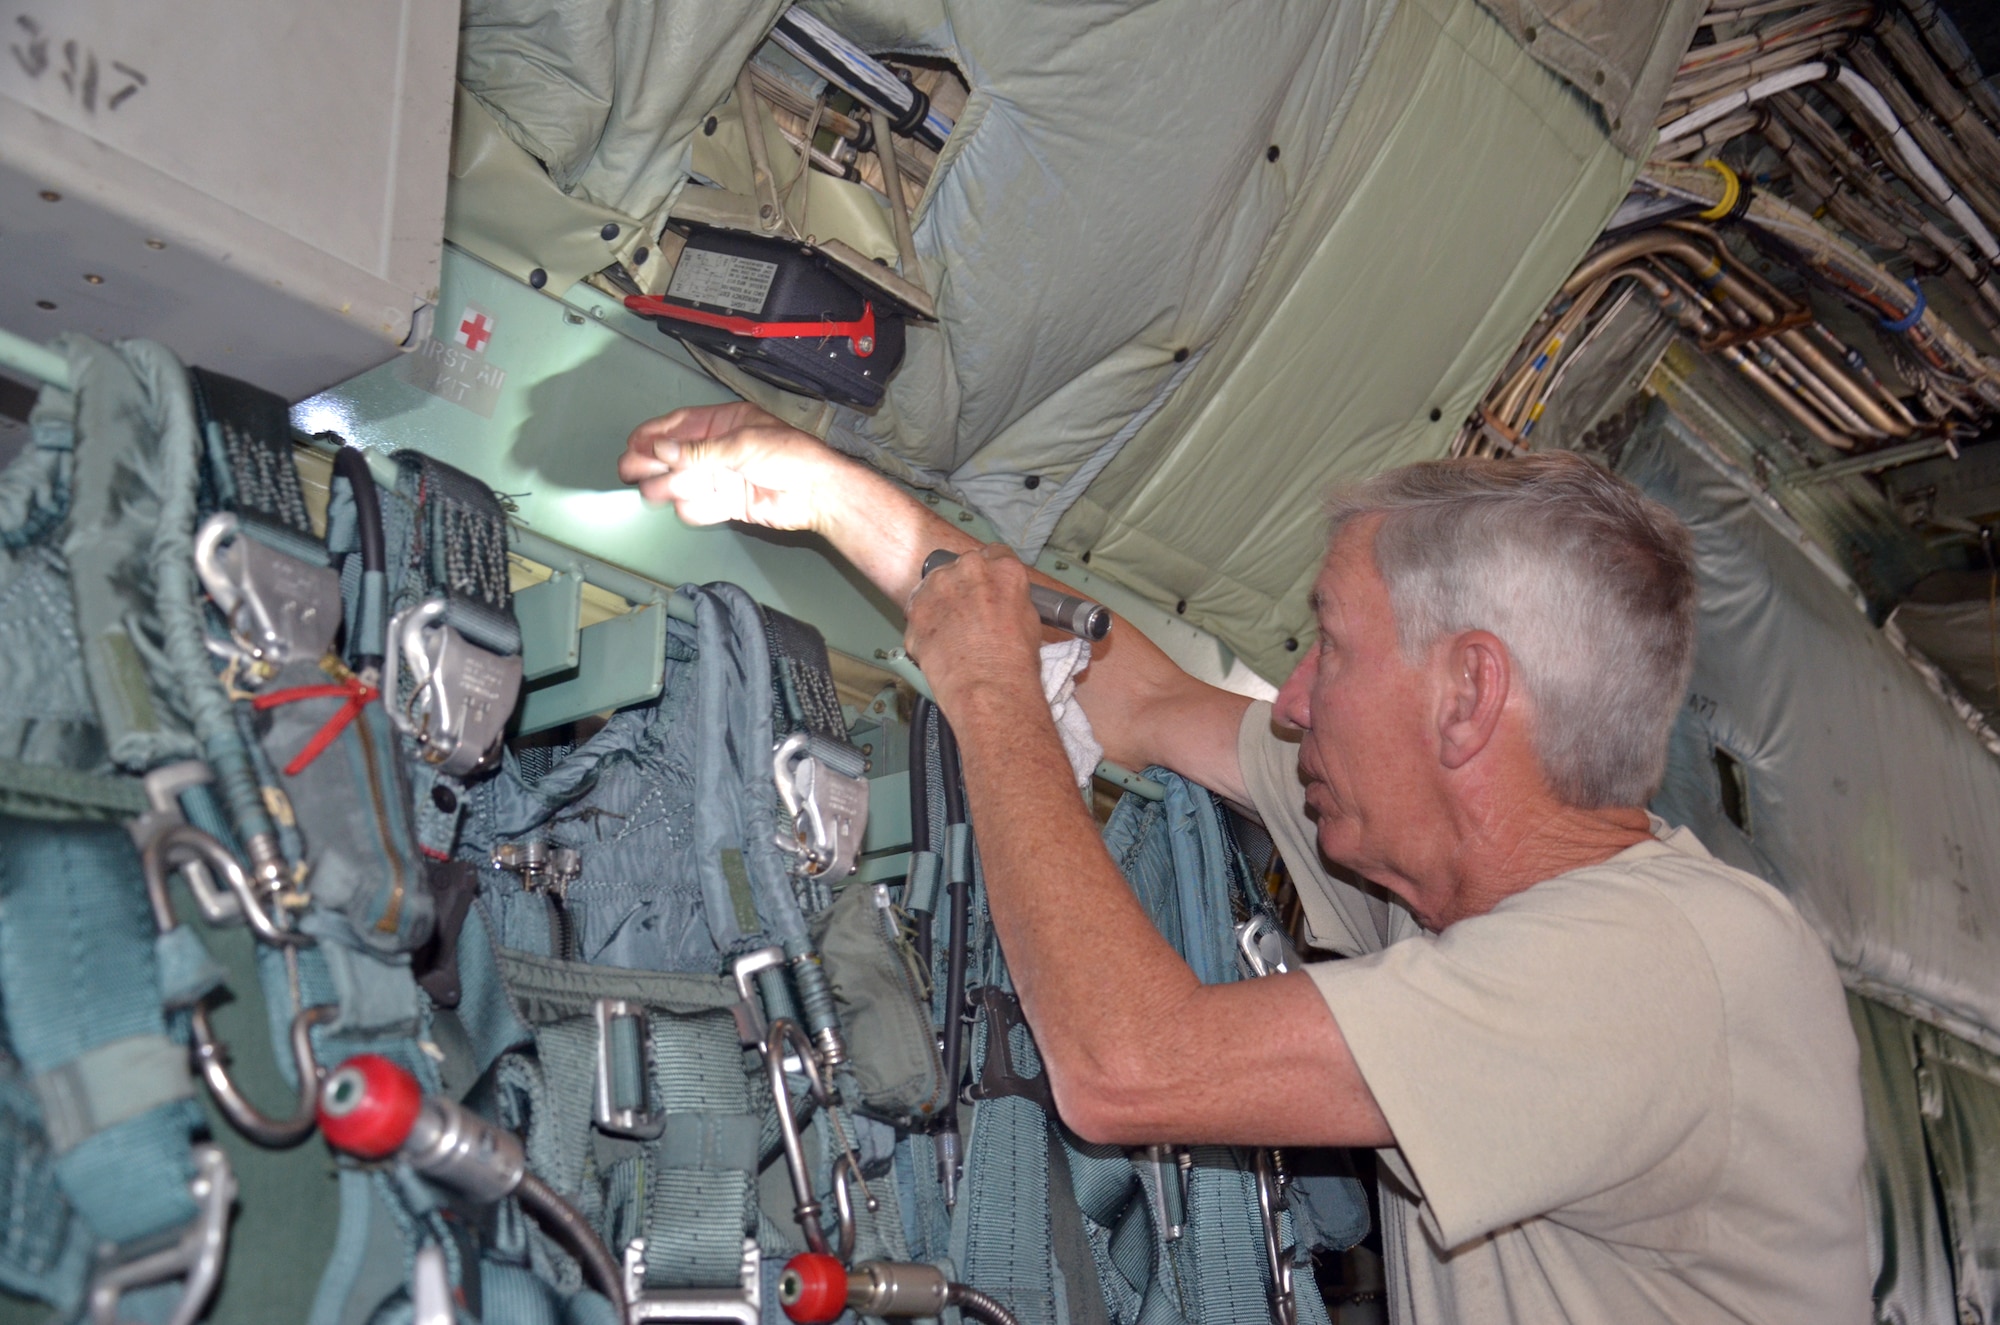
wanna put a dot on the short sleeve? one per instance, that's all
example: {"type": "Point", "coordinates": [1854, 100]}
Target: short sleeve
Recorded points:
{"type": "Point", "coordinates": [1339, 917]}
{"type": "Point", "coordinates": [1560, 1048]}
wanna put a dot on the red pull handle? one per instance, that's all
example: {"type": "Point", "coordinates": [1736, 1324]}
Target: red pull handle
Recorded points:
{"type": "Point", "coordinates": [813, 1289]}
{"type": "Point", "coordinates": [368, 1106]}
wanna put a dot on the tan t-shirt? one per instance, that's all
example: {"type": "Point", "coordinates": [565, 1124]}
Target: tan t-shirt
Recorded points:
{"type": "Point", "coordinates": [1628, 1094]}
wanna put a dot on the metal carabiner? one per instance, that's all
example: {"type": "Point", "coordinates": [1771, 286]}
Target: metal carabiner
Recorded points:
{"type": "Point", "coordinates": [211, 1056]}
{"type": "Point", "coordinates": [829, 809]}
{"type": "Point", "coordinates": [466, 693]}
{"type": "Point", "coordinates": [846, 1174]}
{"type": "Point", "coordinates": [1277, 1259]}
{"type": "Point", "coordinates": [178, 844]}
{"type": "Point", "coordinates": [1262, 948]}
{"type": "Point", "coordinates": [277, 606]}
{"type": "Point", "coordinates": [786, 1032]}
{"type": "Point", "coordinates": [195, 1257]}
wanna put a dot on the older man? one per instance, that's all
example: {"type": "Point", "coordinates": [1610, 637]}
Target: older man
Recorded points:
{"type": "Point", "coordinates": [1610, 1078]}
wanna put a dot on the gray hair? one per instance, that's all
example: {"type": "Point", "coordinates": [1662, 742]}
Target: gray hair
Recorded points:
{"type": "Point", "coordinates": [1588, 583]}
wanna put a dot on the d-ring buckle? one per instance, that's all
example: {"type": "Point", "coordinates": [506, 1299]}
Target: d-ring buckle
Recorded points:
{"type": "Point", "coordinates": [195, 1257]}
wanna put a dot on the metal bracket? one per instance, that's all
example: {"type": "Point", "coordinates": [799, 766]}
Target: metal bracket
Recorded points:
{"type": "Point", "coordinates": [610, 1116]}
{"type": "Point", "coordinates": [164, 786]}
{"type": "Point", "coordinates": [541, 866]}
{"type": "Point", "coordinates": [751, 1029]}
{"type": "Point", "coordinates": [830, 810]}
{"type": "Point", "coordinates": [458, 708]}
{"type": "Point", "coordinates": [278, 607]}
{"type": "Point", "coordinates": [195, 1257]}
{"type": "Point", "coordinates": [686, 1306]}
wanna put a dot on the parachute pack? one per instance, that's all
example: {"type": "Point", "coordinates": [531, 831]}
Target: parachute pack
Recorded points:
{"type": "Point", "coordinates": [324, 1001]}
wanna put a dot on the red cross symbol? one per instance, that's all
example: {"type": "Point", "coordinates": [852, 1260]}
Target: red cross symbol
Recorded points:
{"type": "Point", "coordinates": [475, 330]}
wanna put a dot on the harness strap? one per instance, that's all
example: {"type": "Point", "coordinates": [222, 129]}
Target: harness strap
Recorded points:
{"type": "Point", "coordinates": [449, 540]}
{"type": "Point", "coordinates": [804, 694]}
{"type": "Point", "coordinates": [82, 1003]}
{"type": "Point", "coordinates": [463, 552]}
{"type": "Point", "coordinates": [689, 1189]}
{"type": "Point", "coordinates": [1002, 1239]}
{"type": "Point", "coordinates": [250, 470]}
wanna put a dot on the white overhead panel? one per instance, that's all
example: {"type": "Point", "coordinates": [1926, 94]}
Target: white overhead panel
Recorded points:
{"type": "Point", "coordinates": [260, 187]}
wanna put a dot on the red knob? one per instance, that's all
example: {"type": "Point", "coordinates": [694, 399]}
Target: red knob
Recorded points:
{"type": "Point", "coordinates": [813, 1289]}
{"type": "Point", "coordinates": [368, 1106]}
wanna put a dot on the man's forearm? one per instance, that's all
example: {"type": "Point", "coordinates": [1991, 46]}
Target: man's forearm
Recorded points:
{"type": "Point", "coordinates": [1093, 973]}
{"type": "Point", "coordinates": [882, 529]}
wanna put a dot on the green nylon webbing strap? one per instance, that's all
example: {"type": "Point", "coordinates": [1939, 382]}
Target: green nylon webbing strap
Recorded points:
{"type": "Point", "coordinates": [39, 791]}
{"type": "Point", "coordinates": [461, 550]}
{"type": "Point", "coordinates": [1001, 1237]}
{"type": "Point", "coordinates": [77, 975]}
{"type": "Point", "coordinates": [802, 683]}
{"type": "Point", "coordinates": [109, 1084]}
{"type": "Point", "coordinates": [250, 469]}
{"type": "Point", "coordinates": [691, 1192]}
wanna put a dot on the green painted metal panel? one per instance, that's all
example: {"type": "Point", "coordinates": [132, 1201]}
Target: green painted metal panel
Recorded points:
{"type": "Point", "coordinates": [549, 630]}
{"type": "Point", "coordinates": [619, 662]}
{"type": "Point", "coordinates": [888, 814]}
{"type": "Point", "coordinates": [541, 414]}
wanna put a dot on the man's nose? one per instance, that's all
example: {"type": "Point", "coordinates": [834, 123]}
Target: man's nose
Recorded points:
{"type": "Point", "coordinates": [1294, 703]}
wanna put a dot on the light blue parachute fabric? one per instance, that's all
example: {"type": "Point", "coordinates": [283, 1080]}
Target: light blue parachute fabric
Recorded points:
{"type": "Point", "coordinates": [1095, 1250]}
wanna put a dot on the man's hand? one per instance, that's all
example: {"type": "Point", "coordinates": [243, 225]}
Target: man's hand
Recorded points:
{"type": "Point", "coordinates": [974, 632]}
{"type": "Point", "coordinates": [732, 462]}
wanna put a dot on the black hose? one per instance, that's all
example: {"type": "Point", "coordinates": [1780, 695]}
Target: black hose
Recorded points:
{"type": "Point", "coordinates": [560, 1221]}
{"type": "Point", "coordinates": [977, 1305]}
{"type": "Point", "coordinates": [955, 962]}
{"type": "Point", "coordinates": [351, 463]}
{"type": "Point", "coordinates": [961, 903]}
{"type": "Point", "coordinates": [920, 823]}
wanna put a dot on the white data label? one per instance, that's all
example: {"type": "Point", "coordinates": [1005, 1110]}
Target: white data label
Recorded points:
{"type": "Point", "coordinates": [738, 284]}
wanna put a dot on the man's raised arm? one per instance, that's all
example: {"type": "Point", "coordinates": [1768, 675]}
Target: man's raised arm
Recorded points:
{"type": "Point", "coordinates": [736, 462]}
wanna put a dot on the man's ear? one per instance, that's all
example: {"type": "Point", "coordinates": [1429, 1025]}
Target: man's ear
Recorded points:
{"type": "Point", "coordinates": [1478, 675]}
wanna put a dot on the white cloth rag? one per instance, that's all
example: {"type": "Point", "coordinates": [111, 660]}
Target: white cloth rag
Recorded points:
{"type": "Point", "coordinates": [1060, 664]}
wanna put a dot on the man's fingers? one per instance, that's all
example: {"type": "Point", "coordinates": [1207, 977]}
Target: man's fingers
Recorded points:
{"type": "Point", "coordinates": [636, 466]}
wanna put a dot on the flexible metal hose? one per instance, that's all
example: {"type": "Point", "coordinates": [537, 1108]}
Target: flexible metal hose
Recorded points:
{"type": "Point", "coordinates": [560, 1220]}
{"type": "Point", "coordinates": [978, 1306]}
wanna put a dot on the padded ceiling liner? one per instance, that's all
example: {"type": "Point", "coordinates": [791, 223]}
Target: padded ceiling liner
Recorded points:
{"type": "Point", "coordinates": [1193, 260]}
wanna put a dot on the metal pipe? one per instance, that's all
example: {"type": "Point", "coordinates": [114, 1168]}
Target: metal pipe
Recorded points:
{"type": "Point", "coordinates": [1834, 376]}
{"type": "Point", "coordinates": [1706, 267]}
{"type": "Point", "coordinates": [1821, 393]}
{"type": "Point", "coordinates": [1783, 398]}
{"type": "Point", "coordinates": [25, 357]}
{"type": "Point", "coordinates": [899, 206]}
{"type": "Point", "coordinates": [1874, 462]}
